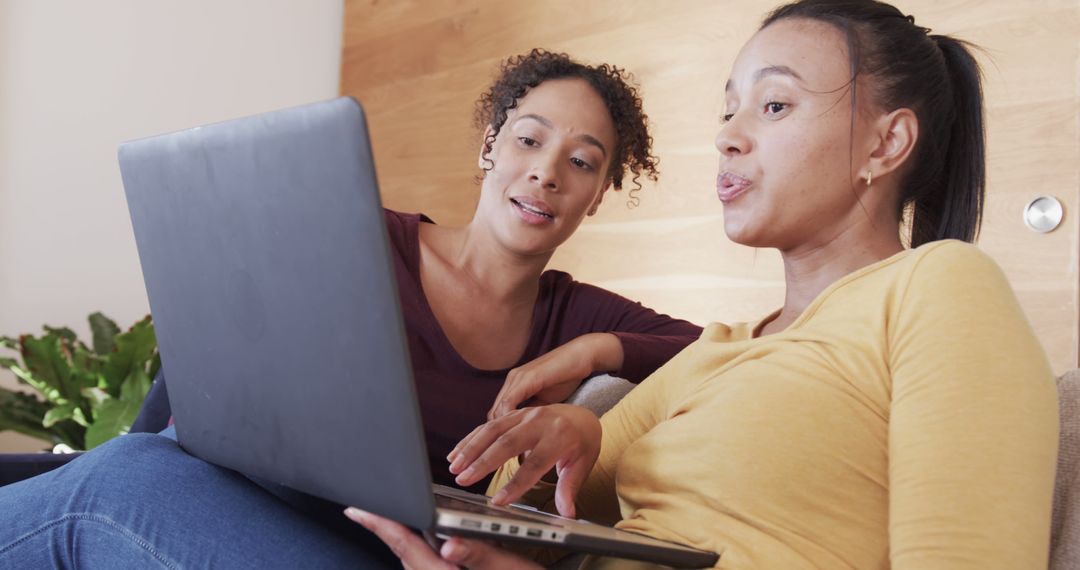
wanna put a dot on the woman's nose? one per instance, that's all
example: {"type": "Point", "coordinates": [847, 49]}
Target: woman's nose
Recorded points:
{"type": "Point", "coordinates": [732, 140]}
{"type": "Point", "coordinates": [545, 172]}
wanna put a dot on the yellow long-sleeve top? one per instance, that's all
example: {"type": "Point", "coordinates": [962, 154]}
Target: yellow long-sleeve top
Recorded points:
{"type": "Point", "coordinates": [907, 419]}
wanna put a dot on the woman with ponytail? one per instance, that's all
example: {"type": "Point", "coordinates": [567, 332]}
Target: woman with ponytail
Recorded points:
{"type": "Point", "coordinates": [895, 412]}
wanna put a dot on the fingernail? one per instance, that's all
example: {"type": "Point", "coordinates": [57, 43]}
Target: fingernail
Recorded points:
{"type": "Point", "coordinates": [357, 515]}
{"type": "Point", "coordinates": [457, 464]}
{"type": "Point", "coordinates": [499, 496]}
{"type": "Point", "coordinates": [465, 476]}
{"type": "Point", "coordinates": [454, 551]}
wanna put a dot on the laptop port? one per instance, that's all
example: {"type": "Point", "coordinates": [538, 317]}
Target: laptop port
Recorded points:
{"type": "Point", "coordinates": [535, 532]}
{"type": "Point", "coordinates": [513, 529]}
{"type": "Point", "coordinates": [469, 523]}
{"type": "Point", "coordinates": [496, 527]}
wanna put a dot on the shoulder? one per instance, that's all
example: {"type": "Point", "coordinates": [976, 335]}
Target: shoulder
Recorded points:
{"type": "Point", "coordinates": [556, 278]}
{"type": "Point", "coordinates": [397, 221]}
{"type": "Point", "coordinates": [948, 285]}
{"type": "Point", "coordinates": [403, 227]}
{"type": "Point", "coordinates": [562, 284]}
{"type": "Point", "coordinates": [950, 251]}
{"type": "Point", "coordinates": [952, 262]}
{"type": "Point", "coordinates": [402, 220]}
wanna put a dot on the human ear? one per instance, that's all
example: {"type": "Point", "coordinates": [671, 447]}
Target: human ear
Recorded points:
{"type": "Point", "coordinates": [599, 198]}
{"type": "Point", "coordinates": [895, 135]}
{"type": "Point", "coordinates": [487, 141]}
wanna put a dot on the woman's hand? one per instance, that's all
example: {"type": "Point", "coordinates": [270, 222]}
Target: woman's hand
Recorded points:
{"type": "Point", "coordinates": [456, 552]}
{"type": "Point", "coordinates": [554, 376]}
{"type": "Point", "coordinates": [560, 435]}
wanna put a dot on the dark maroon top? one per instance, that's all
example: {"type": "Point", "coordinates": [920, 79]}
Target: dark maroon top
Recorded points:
{"type": "Point", "coordinates": [455, 397]}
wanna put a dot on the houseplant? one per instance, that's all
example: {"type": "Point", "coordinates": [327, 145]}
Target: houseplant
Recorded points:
{"type": "Point", "coordinates": [86, 394]}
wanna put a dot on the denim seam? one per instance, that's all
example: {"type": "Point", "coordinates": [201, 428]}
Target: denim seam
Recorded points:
{"type": "Point", "coordinates": [140, 541]}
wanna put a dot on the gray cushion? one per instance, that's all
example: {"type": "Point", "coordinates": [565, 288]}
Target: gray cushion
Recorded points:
{"type": "Point", "coordinates": [1065, 523]}
{"type": "Point", "coordinates": [600, 393]}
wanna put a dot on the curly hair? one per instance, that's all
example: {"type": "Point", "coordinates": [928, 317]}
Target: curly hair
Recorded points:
{"type": "Point", "coordinates": [518, 74]}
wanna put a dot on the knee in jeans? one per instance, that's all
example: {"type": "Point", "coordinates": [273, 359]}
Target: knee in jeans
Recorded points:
{"type": "Point", "coordinates": [135, 444]}
{"type": "Point", "coordinates": [127, 453]}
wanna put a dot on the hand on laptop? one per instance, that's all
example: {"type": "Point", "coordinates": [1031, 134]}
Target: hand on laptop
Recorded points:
{"type": "Point", "coordinates": [456, 552]}
{"type": "Point", "coordinates": [562, 436]}
{"type": "Point", "coordinates": [554, 376]}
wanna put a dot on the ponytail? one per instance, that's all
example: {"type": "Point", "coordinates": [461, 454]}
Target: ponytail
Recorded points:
{"type": "Point", "coordinates": [954, 210]}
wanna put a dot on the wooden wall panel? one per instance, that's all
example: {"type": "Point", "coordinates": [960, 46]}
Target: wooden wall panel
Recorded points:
{"type": "Point", "coordinates": [419, 65]}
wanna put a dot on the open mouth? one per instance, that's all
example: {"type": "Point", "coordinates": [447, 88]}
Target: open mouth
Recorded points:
{"type": "Point", "coordinates": [729, 185]}
{"type": "Point", "coordinates": [533, 210]}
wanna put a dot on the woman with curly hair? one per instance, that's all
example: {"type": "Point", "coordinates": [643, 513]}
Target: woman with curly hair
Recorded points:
{"type": "Point", "coordinates": [479, 307]}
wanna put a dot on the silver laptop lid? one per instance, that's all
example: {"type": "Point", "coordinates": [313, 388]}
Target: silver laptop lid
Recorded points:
{"type": "Point", "coordinates": [266, 263]}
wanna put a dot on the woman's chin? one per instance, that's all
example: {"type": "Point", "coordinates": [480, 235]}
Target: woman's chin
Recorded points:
{"type": "Point", "coordinates": [738, 232]}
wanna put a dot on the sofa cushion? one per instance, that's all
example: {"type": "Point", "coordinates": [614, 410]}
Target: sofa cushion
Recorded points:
{"type": "Point", "coordinates": [600, 393]}
{"type": "Point", "coordinates": [1065, 522]}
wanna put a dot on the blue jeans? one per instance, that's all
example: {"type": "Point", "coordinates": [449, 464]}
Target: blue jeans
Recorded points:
{"type": "Point", "coordinates": [140, 501]}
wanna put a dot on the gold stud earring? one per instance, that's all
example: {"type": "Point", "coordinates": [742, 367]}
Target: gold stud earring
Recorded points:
{"type": "Point", "coordinates": [869, 177]}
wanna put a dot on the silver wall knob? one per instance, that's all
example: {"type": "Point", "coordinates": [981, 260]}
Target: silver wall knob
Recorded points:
{"type": "Point", "coordinates": [1043, 214]}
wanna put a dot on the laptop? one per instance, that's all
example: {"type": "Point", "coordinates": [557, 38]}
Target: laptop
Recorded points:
{"type": "Point", "coordinates": [268, 270]}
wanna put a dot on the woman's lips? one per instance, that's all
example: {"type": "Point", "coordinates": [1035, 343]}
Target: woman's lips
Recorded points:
{"type": "Point", "coordinates": [532, 211]}
{"type": "Point", "coordinates": [730, 185]}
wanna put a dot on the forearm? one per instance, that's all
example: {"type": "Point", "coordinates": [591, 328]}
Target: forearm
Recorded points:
{"type": "Point", "coordinates": [604, 351]}
{"type": "Point", "coordinates": [644, 353]}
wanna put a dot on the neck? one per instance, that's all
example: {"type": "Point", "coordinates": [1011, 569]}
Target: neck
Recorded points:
{"type": "Point", "coordinates": [811, 269]}
{"type": "Point", "coordinates": [490, 269]}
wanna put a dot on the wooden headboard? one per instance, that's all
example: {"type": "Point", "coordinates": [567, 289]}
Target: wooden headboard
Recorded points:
{"type": "Point", "coordinates": [418, 66]}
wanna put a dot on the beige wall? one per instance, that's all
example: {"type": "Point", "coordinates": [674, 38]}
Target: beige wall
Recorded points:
{"type": "Point", "coordinates": [76, 78]}
{"type": "Point", "coordinates": [419, 67]}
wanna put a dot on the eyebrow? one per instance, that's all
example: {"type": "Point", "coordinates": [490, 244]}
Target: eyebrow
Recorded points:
{"type": "Point", "coordinates": [587, 138]}
{"type": "Point", "coordinates": [766, 72]}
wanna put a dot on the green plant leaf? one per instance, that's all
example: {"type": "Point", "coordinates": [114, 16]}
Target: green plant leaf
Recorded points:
{"type": "Point", "coordinates": [104, 331]}
{"type": "Point", "coordinates": [113, 418]}
{"type": "Point", "coordinates": [50, 393]}
{"type": "Point", "coordinates": [87, 369]}
{"type": "Point", "coordinates": [136, 386]}
{"type": "Point", "coordinates": [62, 332]}
{"type": "Point", "coordinates": [23, 413]}
{"type": "Point", "coordinates": [57, 414]}
{"type": "Point", "coordinates": [96, 396]}
{"type": "Point", "coordinates": [9, 343]}
{"type": "Point", "coordinates": [80, 418]}
{"type": "Point", "coordinates": [134, 349]}
{"type": "Point", "coordinates": [46, 363]}
{"type": "Point", "coordinates": [11, 364]}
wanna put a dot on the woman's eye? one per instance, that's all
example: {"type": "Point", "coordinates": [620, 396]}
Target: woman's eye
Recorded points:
{"type": "Point", "coordinates": [527, 141]}
{"type": "Point", "coordinates": [580, 163]}
{"type": "Point", "coordinates": [774, 108]}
